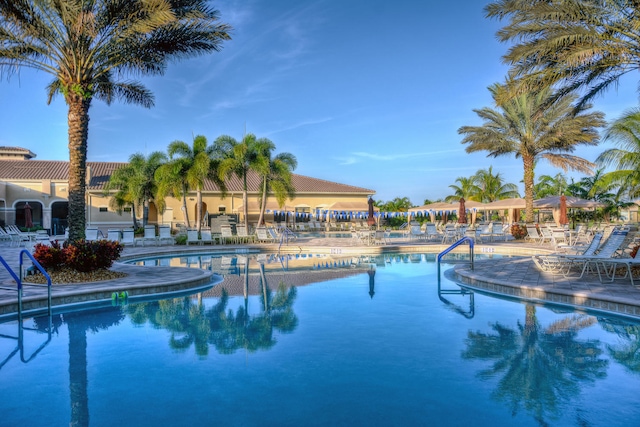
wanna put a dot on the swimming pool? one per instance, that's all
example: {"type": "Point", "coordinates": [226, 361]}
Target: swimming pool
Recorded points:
{"type": "Point", "coordinates": [368, 341]}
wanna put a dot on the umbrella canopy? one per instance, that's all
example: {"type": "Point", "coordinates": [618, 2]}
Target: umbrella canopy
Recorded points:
{"type": "Point", "coordinates": [462, 212]}
{"type": "Point", "coordinates": [370, 219]}
{"type": "Point", "coordinates": [563, 210]}
{"type": "Point", "coordinates": [28, 217]}
{"type": "Point", "coordinates": [515, 203]}
{"type": "Point", "coordinates": [572, 202]}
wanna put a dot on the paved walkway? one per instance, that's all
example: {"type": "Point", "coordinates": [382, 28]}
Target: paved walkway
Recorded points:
{"type": "Point", "coordinates": [516, 277]}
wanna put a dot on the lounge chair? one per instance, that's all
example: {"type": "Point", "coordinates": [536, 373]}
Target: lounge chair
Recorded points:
{"type": "Point", "coordinates": [206, 237]}
{"type": "Point", "coordinates": [415, 233]}
{"type": "Point", "coordinates": [485, 231]}
{"type": "Point", "coordinates": [128, 237]}
{"type": "Point", "coordinates": [533, 234]}
{"type": "Point", "coordinates": [431, 232]}
{"type": "Point", "coordinates": [192, 237]}
{"type": "Point", "coordinates": [592, 262]}
{"type": "Point", "coordinates": [164, 235]}
{"type": "Point", "coordinates": [149, 235]}
{"type": "Point", "coordinates": [90, 234]}
{"type": "Point", "coordinates": [243, 236]}
{"type": "Point", "coordinates": [627, 263]}
{"type": "Point", "coordinates": [226, 234]}
{"type": "Point", "coordinates": [113, 234]}
{"type": "Point", "coordinates": [263, 236]}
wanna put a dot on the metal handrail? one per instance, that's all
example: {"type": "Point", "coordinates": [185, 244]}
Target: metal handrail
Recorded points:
{"type": "Point", "coordinates": [455, 245]}
{"type": "Point", "coordinates": [44, 273]}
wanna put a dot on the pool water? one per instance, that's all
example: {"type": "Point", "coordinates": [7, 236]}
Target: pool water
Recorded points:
{"type": "Point", "coordinates": [376, 341]}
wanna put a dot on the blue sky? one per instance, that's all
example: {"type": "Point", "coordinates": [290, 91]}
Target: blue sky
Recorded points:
{"type": "Point", "coordinates": [364, 92]}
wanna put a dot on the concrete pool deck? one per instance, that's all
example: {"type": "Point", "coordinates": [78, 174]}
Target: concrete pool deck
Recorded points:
{"type": "Point", "coordinates": [515, 276]}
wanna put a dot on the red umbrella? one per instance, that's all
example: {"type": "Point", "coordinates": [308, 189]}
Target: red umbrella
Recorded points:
{"type": "Point", "coordinates": [563, 210]}
{"type": "Point", "coordinates": [462, 212]}
{"type": "Point", "coordinates": [371, 219]}
{"type": "Point", "coordinates": [28, 217]}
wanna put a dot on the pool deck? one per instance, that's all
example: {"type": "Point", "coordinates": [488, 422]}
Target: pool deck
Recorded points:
{"type": "Point", "coordinates": [515, 277]}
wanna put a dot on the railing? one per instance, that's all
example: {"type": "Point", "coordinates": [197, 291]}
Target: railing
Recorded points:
{"type": "Point", "coordinates": [44, 273]}
{"type": "Point", "coordinates": [455, 245]}
{"type": "Point", "coordinates": [285, 234]}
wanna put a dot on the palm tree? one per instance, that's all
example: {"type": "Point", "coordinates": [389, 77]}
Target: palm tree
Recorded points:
{"type": "Point", "coordinates": [490, 187]}
{"type": "Point", "coordinates": [240, 158]}
{"type": "Point", "coordinates": [90, 47]}
{"type": "Point", "coordinates": [135, 183]}
{"type": "Point", "coordinates": [571, 45]}
{"type": "Point", "coordinates": [276, 174]}
{"type": "Point", "coordinates": [550, 186]}
{"type": "Point", "coordinates": [625, 159]}
{"type": "Point", "coordinates": [466, 189]}
{"type": "Point", "coordinates": [532, 128]}
{"type": "Point", "coordinates": [188, 169]}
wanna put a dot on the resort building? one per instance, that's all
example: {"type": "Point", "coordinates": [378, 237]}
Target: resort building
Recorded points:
{"type": "Point", "coordinates": [43, 184]}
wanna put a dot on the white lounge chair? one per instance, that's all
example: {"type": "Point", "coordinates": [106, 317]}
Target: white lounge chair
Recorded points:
{"type": "Point", "coordinates": [263, 236]}
{"type": "Point", "coordinates": [149, 235]}
{"type": "Point", "coordinates": [206, 237]}
{"type": "Point", "coordinates": [164, 235]}
{"type": "Point", "coordinates": [90, 234]}
{"type": "Point", "coordinates": [226, 234]}
{"type": "Point", "coordinates": [192, 237]}
{"type": "Point", "coordinates": [128, 237]}
{"type": "Point", "coordinates": [113, 234]}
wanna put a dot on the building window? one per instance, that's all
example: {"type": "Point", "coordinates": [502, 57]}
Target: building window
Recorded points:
{"type": "Point", "coordinates": [222, 209]}
{"type": "Point", "coordinates": [128, 210]}
{"type": "Point", "coordinates": [103, 209]}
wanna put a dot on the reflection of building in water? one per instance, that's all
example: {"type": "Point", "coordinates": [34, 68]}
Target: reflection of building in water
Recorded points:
{"type": "Point", "coordinates": [234, 285]}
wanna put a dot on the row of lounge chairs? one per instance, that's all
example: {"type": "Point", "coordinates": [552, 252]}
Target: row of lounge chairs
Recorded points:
{"type": "Point", "coordinates": [226, 235]}
{"type": "Point", "coordinates": [127, 237]}
{"type": "Point", "coordinates": [452, 232]}
{"type": "Point", "coordinates": [602, 256]}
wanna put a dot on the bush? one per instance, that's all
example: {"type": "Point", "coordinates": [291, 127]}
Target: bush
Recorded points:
{"type": "Point", "coordinates": [518, 231]}
{"type": "Point", "coordinates": [81, 255]}
{"type": "Point", "coordinates": [50, 257]}
{"type": "Point", "coordinates": [181, 239]}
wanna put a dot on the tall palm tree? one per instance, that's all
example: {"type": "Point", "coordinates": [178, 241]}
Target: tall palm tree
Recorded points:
{"type": "Point", "coordinates": [91, 47]}
{"type": "Point", "coordinates": [188, 170]}
{"type": "Point", "coordinates": [276, 174]}
{"type": "Point", "coordinates": [491, 187]}
{"type": "Point", "coordinates": [532, 128]}
{"type": "Point", "coordinates": [466, 189]}
{"type": "Point", "coordinates": [578, 44]}
{"type": "Point", "coordinates": [625, 159]}
{"type": "Point", "coordinates": [135, 182]}
{"type": "Point", "coordinates": [239, 158]}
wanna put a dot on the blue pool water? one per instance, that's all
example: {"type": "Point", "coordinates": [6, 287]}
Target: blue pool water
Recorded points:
{"type": "Point", "coordinates": [317, 341]}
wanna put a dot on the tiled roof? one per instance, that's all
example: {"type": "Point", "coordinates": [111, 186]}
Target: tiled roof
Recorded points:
{"type": "Point", "coordinates": [11, 170]}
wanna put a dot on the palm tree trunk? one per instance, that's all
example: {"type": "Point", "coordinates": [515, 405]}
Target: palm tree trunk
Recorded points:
{"type": "Point", "coordinates": [528, 161]}
{"type": "Point", "coordinates": [199, 209]}
{"type": "Point", "coordinates": [245, 202]}
{"type": "Point", "coordinates": [263, 205]}
{"type": "Point", "coordinates": [133, 216]}
{"type": "Point", "coordinates": [78, 122]}
{"type": "Point", "coordinates": [185, 212]}
{"type": "Point", "coordinates": [145, 212]}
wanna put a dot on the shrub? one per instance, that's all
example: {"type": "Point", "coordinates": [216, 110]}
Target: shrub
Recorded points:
{"type": "Point", "coordinates": [81, 255]}
{"type": "Point", "coordinates": [181, 239]}
{"type": "Point", "coordinates": [50, 257]}
{"type": "Point", "coordinates": [518, 231]}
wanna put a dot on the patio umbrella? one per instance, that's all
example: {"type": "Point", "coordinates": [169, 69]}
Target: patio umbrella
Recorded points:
{"type": "Point", "coordinates": [370, 219]}
{"type": "Point", "coordinates": [462, 213]}
{"type": "Point", "coordinates": [28, 217]}
{"type": "Point", "coordinates": [563, 210]}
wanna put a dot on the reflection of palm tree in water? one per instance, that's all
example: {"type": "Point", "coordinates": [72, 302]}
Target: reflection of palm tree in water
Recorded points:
{"type": "Point", "coordinates": [78, 323]}
{"type": "Point", "coordinates": [226, 330]}
{"type": "Point", "coordinates": [627, 353]}
{"type": "Point", "coordinates": [540, 367]}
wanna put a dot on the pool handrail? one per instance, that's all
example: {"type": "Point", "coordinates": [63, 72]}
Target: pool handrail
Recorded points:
{"type": "Point", "coordinates": [44, 273]}
{"type": "Point", "coordinates": [455, 245]}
